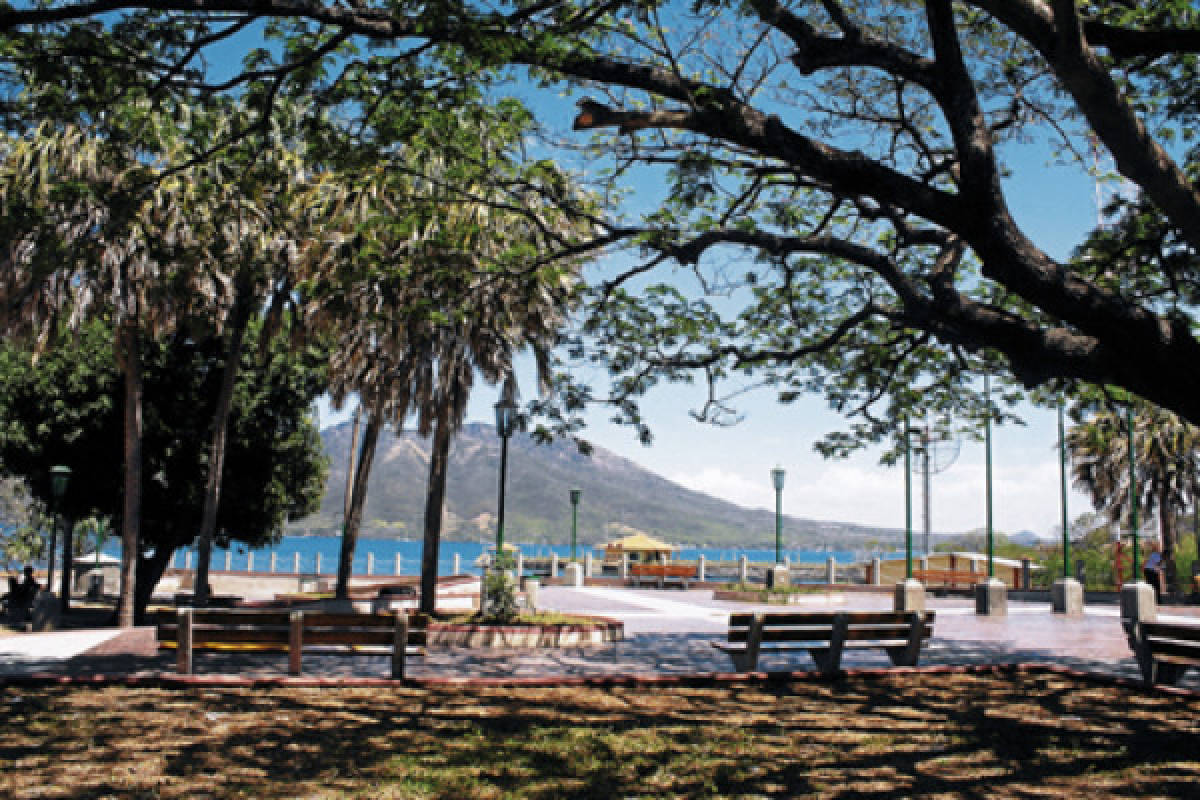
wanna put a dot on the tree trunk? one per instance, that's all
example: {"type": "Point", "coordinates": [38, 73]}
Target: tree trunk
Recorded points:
{"type": "Point", "coordinates": [131, 513]}
{"type": "Point", "coordinates": [358, 500]}
{"type": "Point", "coordinates": [216, 451]}
{"type": "Point", "coordinates": [435, 501]}
{"type": "Point", "coordinates": [1167, 532]}
{"type": "Point", "coordinates": [150, 572]}
{"type": "Point", "coordinates": [351, 465]}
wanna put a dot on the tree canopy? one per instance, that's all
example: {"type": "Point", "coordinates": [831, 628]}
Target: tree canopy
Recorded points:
{"type": "Point", "coordinates": [65, 408]}
{"type": "Point", "coordinates": [852, 153]}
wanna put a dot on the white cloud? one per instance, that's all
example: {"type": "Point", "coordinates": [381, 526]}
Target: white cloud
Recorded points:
{"type": "Point", "coordinates": [728, 485]}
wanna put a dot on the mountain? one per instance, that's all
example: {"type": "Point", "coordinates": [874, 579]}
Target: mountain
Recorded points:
{"type": "Point", "coordinates": [617, 495]}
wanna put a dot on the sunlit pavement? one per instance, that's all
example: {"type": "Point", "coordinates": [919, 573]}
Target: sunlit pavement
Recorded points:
{"type": "Point", "coordinates": [666, 632]}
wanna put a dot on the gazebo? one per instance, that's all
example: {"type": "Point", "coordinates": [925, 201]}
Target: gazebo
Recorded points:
{"type": "Point", "coordinates": [640, 548]}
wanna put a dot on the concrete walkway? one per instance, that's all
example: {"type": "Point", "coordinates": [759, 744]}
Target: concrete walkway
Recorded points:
{"type": "Point", "coordinates": [666, 632]}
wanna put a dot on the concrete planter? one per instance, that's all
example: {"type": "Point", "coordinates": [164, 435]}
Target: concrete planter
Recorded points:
{"type": "Point", "coordinates": [525, 636]}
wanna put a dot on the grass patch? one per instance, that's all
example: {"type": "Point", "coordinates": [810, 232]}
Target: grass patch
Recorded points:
{"type": "Point", "coordinates": [1026, 735]}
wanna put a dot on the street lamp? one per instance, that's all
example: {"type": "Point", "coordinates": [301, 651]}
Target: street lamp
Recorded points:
{"type": "Point", "coordinates": [777, 479]}
{"type": "Point", "coordinates": [506, 415]}
{"type": "Point", "coordinates": [575, 495]}
{"type": "Point", "coordinates": [59, 475]}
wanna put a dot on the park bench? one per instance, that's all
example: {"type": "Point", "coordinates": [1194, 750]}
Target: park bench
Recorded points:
{"type": "Point", "coordinates": [662, 574]}
{"type": "Point", "coordinates": [948, 578]}
{"type": "Point", "coordinates": [1165, 650]}
{"type": "Point", "coordinates": [291, 632]}
{"type": "Point", "coordinates": [826, 634]}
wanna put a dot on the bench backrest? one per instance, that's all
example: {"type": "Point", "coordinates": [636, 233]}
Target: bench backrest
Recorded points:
{"type": "Point", "coordinates": [662, 570]}
{"type": "Point", "coordinates": [245, 626]}
{"type": "Point", "coordinates": [817, 626]}
{"type": "Point", "coordinates": [1172, 639]}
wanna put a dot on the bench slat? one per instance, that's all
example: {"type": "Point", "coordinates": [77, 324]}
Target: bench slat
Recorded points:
{"type": "Point", "coordinates": [813, 634]}
{"type": "Point", "coordinates": [742, 619]}
{"type": "Point", "coordinates": [1171, 630]}
{"type": "Point", "coordinates": [1174, 651]}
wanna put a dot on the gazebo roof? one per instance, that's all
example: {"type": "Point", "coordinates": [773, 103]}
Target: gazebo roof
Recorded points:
{"type": "Point", "coordinates": [640, 542]}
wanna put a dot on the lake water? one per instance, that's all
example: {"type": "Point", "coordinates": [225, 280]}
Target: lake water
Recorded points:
{"type": "Point", "coordinates": [393, 556]}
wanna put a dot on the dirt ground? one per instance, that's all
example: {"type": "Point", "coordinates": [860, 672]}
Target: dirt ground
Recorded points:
{"type": "Point", "coordinates": [956, 734]}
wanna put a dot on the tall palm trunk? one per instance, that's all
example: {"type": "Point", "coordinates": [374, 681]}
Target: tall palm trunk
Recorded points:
{"type": "Point", "coordinates": [358, 499]}
{"type": "Point", "coordinates": [216, 450]}
{"type": "Point", "coordinates": [1167, 532]}
{"type": "Point", "coordinates": [435, 501]}
{"type": "Point", "coordinates": [131, 513]}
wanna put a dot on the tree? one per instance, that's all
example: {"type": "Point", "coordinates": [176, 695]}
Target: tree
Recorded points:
{"type": "Point", "coordinates": [1166, 458]}
{"type": "Point", "coordinates": [457, 270]}
{"type": "Point", "coordinates": [66, 408]}
{"type": "Point", "coordinates": [269, 220]}
{"type": "Point", "coordinates": [97, 225]}
{"type": "Point", "coordinates": [854, 151]}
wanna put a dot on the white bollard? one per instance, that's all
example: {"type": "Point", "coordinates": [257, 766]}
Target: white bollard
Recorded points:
{"type": "Point", "coordinates": [399, 560]}
{"type": "Point", "coordinates": [296, 563]}
{"type": "Point", "coordinates": [229, 561]}
{"type": "Point", "coordinates": [520, 563]}
{"type": "Point", "coordinates": [624, 566]}
{"type": "Point", "coordinates": [458, 563]}
{"type": "Point", "coordinates": [554, 565]}
{"type": "Point", "coordinates": [876, 570]}
{"type": "Point", "coordinates": [250, 561]}
{"type": "Point", "coordinates": [318, 565]}
{"type": "Point", "coordinates": [370, 563]}
{"type": "Point", "coordinates": [587, 565]}
{"type": "Point", "coordinates": [700, 568]}
{"type": "Point", "coordinates": [743, 569]}
{"type": "Point", "coordinates": [830, 570]}
{"type": "Point", "coordinates": [274, 560]}
{"type": "Point", "coordinates": [187, 560]}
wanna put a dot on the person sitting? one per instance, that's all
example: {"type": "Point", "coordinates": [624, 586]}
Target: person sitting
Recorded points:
{"type": "Point", "coordinates": [20, 597]}
{"type": "Point", "coordinates": [1154, 574]}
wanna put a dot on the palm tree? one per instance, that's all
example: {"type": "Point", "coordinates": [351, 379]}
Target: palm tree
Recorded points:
{"type": "Point", "coordinates": [459, 275]}
{"type": "Point", "coordinates": [98, 227]}
{"type": "Point", "coordinates": [1166, 466]}
{"type": "Point", "coordinates": [271, 222]}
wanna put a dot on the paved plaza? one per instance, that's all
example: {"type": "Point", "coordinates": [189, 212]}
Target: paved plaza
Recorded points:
{"type": "Point", "coordinates": [667, 632]}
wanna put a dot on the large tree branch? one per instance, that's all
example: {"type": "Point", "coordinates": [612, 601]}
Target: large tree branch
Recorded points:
{"type": "Point", "coordinates": [1057, 36]}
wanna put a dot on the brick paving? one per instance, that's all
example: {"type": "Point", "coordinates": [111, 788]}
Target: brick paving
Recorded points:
{"type": "Point", "coordinates": [666, 633]}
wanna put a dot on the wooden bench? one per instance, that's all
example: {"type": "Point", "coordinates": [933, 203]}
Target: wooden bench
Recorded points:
{"type": "Point", "coordinates": [826, 634]}
{"type": "Point", "coordinates": [662, 574]}
{"type": "Point", "coordinates": [291, 632]}
{"type": "Point", "coordinates": [1165, 650]}
{"type": "Point", "coordinates": [948, 578]}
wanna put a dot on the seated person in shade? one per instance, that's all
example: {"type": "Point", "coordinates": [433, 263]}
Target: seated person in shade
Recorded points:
{"type": "Point", "coordinates": [21, 595]}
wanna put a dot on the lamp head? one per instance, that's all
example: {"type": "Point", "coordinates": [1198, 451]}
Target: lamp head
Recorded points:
{"type": "Point", "coordinates": [59, 476]}
{"type": "Point", "coordinates": [777, 478]}
{"type": "Point", "coordinates": [506, 415]}
{"type": "Point", "coordinates": [575, 495]}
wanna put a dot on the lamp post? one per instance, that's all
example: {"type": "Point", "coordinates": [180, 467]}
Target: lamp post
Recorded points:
{"type": "Point", "coordinates": [1062, 474]}
{"type": "Point", "coordinates": [777, 475]}
{"type": "Point", "coordinates": [1135, 523]}
{"type": "Point", "coordinates": [575, 495]}
{"type": "Point", "coordinates": [506, 413]}
{"type": "Point", "coordinates": [908, 530]}
{"type": "Point", "coordinates": [987, 473]}
{"type": "Point", "coordinates": [59, 475]}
